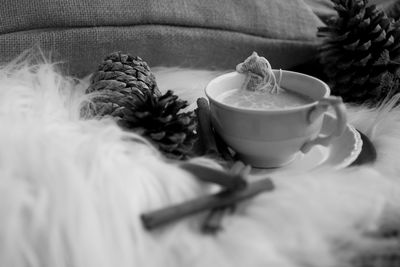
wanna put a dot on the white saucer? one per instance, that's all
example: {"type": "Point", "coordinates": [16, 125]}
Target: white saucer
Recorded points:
{"type": "Point", "coordinates": [339, 154]}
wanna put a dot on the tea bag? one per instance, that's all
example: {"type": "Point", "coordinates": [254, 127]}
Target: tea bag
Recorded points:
{"type": "Point", "coordinates": [259, 75]}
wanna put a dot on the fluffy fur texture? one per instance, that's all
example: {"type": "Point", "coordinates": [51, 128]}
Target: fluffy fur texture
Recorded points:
{"type": "Point", "coordinates": [72, 190]}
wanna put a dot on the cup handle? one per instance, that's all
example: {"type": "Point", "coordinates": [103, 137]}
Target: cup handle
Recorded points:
{"type": "Point", "coordinates": [341, 121]}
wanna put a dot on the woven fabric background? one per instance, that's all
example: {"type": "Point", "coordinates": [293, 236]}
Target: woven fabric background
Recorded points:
{"type": "Point", "coordinates": [190, 33]}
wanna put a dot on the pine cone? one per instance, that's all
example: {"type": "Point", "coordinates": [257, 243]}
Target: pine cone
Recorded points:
{"type": "Point", "coordinates": [126, 89]}
{"type": "Point", "coordinates": [159, 119]}
{"type": "Point", "coordinates": [382, 256]}
{"type": "Point", "coordinates": [361, 52]}
{"type": "Point", "coordinates": [123, 73]}
{"type": "Point", "coordinates": [379, 259]}
{"type": "Point", "coordinates": [122, 78]}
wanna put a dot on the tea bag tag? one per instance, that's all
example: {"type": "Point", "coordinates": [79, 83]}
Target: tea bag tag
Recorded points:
{"type": "Point", "coordinates": [259, 74]}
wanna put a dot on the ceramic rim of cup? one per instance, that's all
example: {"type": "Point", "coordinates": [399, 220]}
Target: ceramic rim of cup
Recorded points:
{"type": "Point", "coordinates": [275, 110]}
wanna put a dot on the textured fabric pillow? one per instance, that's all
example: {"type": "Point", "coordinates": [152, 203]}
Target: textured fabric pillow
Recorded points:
{"type": "Point", "coordinates": [187, 33]}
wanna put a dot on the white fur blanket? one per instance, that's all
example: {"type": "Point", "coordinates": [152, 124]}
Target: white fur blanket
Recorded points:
{"type": "Point", "coordinates": [71, 190]}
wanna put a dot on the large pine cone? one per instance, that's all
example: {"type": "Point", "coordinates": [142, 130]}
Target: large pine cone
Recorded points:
{"type": "Point", "coordinates": [361, 52]}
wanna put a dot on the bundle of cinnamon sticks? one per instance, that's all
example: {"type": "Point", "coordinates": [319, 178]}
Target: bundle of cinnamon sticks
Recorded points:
{"type": "Point", "coordinates": [233, 180]}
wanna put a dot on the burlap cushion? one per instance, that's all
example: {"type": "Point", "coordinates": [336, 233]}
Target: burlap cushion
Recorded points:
{"type": "Point", "coordinates": [188, 33]}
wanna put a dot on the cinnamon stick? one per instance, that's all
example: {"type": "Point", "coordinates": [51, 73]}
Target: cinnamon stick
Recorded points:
{"type": "Point", "coordinates": [223, 148]}
{"type": "Point", "coordinates": [213, 221]}
{"type": "Point", "coordinates": [206, 133]}
{"type": "Point", "coordinates": [225, 198]}
{"type": "Point", "coordinates": [231, 181]}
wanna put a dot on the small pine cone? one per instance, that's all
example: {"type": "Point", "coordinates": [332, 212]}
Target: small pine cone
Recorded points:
{"type": "Point", "coordinates": [159, 119]}
{"type": "Point", "coordinates": [361, 52]}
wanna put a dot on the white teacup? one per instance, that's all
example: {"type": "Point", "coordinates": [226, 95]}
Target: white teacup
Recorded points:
{"type": "Point", "coordinates": [272, 137]}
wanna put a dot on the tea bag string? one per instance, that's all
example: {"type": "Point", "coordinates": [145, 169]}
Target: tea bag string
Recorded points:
{"type": "Point", "coordinates": [272, 82]}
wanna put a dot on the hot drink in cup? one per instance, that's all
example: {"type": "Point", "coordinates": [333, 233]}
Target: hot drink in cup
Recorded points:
{"type": "Point", "coordinates": [268, 130]}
